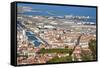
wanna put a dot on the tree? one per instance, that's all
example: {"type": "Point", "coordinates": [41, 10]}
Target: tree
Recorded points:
{"type": "Point", "coordinates": [61, 59]}
{"type": "Point", "coordinates": [86, 55]}
{"type": "Point", "coordinates": [92, 46]}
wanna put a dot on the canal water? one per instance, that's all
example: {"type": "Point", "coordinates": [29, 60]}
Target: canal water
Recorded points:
{"type": "Point", "coordinates": [32, 37]}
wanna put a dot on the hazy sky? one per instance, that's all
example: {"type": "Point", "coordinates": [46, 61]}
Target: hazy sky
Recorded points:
{"type": "Point", "coordinates": [53, 10]}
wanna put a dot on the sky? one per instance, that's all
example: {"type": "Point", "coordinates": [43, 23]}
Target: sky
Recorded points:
{"type": "Point", "coordinates": [56, 10]}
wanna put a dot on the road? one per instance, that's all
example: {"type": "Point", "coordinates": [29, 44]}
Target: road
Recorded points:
{"type": "Point", "coordinates": [77, 44]}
